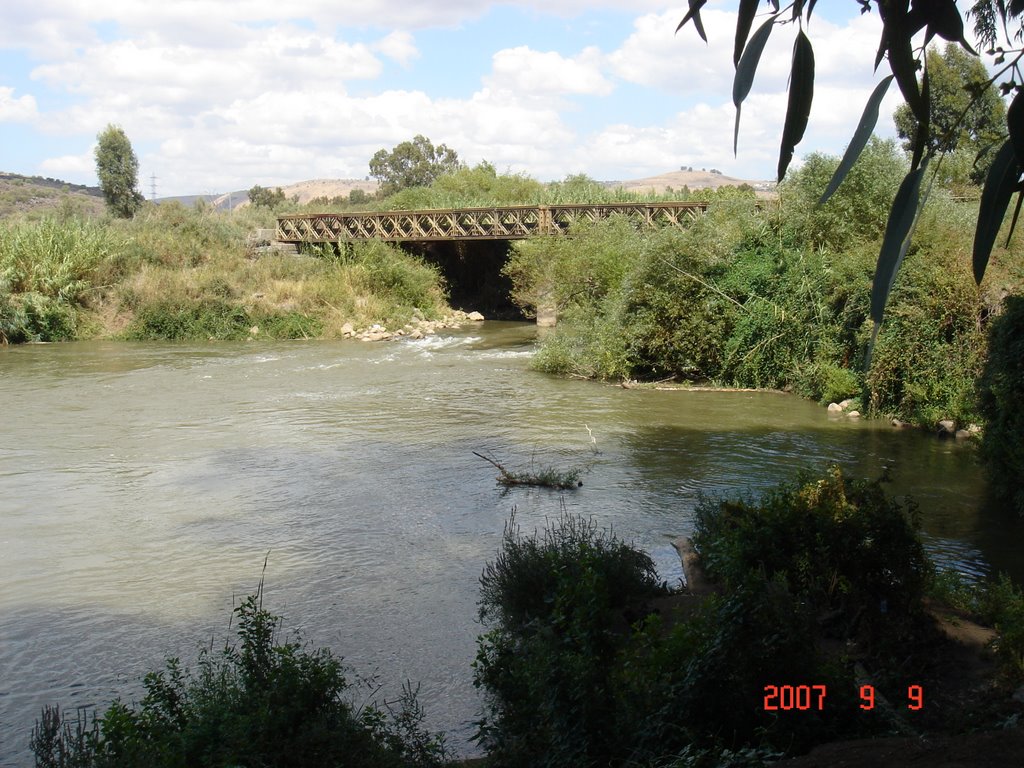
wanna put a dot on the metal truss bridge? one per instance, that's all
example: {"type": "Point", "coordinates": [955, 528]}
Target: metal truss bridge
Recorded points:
{"type": "Point", "coordinates": [496, 223]}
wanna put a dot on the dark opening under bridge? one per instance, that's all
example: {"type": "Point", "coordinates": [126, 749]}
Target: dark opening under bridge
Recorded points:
{"type": "Point", "coordinates": [495, 223]}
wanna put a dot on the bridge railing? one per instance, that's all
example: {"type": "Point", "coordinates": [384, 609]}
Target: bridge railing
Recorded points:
{"type": "Point", "coordinates": [495, 223]}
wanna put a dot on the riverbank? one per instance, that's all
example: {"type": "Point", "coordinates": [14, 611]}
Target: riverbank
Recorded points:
{"type": "Point", "coordinates": [178, 274]}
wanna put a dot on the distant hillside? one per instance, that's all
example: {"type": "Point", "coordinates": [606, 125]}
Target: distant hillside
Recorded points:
{"type": "Point", "coordinates": [21, 195]}
{"type": "Point", "coordinates": [692, 179]}
{"type": "Point", "coordinates": [306, 191]}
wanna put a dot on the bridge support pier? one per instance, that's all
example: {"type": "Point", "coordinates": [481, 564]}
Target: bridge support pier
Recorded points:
{"type": "Point", "coordinates": [547, 311]}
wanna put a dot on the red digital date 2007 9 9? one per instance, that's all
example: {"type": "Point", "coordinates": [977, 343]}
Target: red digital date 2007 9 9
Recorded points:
{"type": "Point", "coordinates": [804, 697]}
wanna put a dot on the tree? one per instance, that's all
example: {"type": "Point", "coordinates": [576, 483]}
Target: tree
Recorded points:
{"type": "Point", "coordinates": [902, 20]}
{"type": "Point", "coordinates": [118, 170]}
{"type": "Point", "coordinates": [968, 119]}
{"type": "Point", "coordinates": [415, 163]}
{"type": "Point", "coordinates": [263, 197]}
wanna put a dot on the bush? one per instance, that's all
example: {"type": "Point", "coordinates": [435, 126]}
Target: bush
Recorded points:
{"type": "Point", "coordinates": [930, 349]}
{"type": "Point", "coordinates": [701, 683]}
{"type": "Point", "coordinates": [1001, 401]}
{"type": "Point", "coordinates": [841, 545]}
{"type": "Point", "coordinates": [258, 702]}
{"type": "Point", "coordinates": [858, 210]}
{"type": "Point", "coordinates": [556, 604]}
{"type": "Point", "coordinates": [190, 320]}
{"type": "Point", "coordinates": [398, 277]}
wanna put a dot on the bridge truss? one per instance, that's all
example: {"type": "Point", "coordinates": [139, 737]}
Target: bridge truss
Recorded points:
{"type": "Point", "coordinates": [499, 223]}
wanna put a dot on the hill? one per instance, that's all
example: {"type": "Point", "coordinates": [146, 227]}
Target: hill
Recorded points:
{"type": "Point", "coordinates": [21, 195]}
{"type": "Point", "coordinates": [692, 179]}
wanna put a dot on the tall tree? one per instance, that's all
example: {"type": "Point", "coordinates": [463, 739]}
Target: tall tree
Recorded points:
{"type": "Point", "coordinates": [968, 120]}
{"type": "Point", "coordinates": [415, 163]}
{"type": "Point", "coordinates": [118, 170]}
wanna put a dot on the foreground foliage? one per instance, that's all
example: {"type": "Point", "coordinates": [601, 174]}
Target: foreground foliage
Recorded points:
{"type": "Point", "coordinates": [587, 661]}
{"type": "Point", "coordinates": [262, 701]}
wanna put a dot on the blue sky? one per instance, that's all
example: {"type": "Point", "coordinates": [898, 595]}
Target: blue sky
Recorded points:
{"type": "Point", "coordinates": [224, 94]}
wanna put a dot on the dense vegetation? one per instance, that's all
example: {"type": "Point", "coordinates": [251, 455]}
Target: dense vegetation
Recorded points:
{"type": "Point", "coordinates": [177, 273]}
{"type": "Point", "coordinates": [777, 296]}
{"type": "Point", "coordinates": [588, 661]}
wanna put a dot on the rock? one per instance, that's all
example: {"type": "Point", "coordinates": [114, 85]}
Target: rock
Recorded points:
{"type": "Point", "coordinates": [974, 429]}
{"type": "Point", "coordinates": [963, 434]}
{"type": "Point", "coordinates": [258, 295]}
{"type": "Point", "coordinates": [845, 405]}
{"type": "Point", "coordinates": [946, 428]}
{"type": "Point", "coordinates": [476, 317]}
{"type": "Point", "coordinates": [417, 315]}
{"type": "Point", "coordinates": [899, 424]}
{"type": "Point", "coordinates": [416, 334]}
{"type": "Point", "coordinates": [347, 330]}
{"type": "Point", "coordinates": [854, 414]}
{"type": "Point", "coordinates": [835, 408]}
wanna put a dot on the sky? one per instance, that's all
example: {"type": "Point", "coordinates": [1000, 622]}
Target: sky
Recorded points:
{"type": "Point", "coordinates": [219, 95]}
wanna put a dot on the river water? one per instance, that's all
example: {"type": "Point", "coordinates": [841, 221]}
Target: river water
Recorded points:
{"type": "Point", "coordinates": [142, 487]}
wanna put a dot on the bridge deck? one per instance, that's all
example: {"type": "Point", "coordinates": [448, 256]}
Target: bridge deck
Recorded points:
{"type": "Point", "coordinates": [499, 223]}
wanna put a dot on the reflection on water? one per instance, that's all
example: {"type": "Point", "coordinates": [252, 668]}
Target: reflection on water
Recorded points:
{"type": "Point", "coordinates": [143, 485]}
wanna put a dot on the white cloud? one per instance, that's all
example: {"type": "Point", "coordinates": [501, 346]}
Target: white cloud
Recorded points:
{"type": "Point", "coordinates": [16, 110]}
{"type": "Point", "coordinates": [532, 74]}
{"type": "Point", "coordinates": [398, 46]}
{"type": "Point", "coordinates": [227, 94]}
{"type": "Point", "coordinates": [70, 166]}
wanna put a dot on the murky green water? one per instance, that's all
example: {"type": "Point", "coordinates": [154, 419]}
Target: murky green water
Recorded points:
{"type": "Point", "coordinates": [142, 487]}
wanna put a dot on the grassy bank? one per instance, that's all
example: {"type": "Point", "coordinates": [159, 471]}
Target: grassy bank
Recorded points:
{"type": "Point", "coordinates": [176, 273]}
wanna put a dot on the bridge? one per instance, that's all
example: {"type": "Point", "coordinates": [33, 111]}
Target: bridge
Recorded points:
{"type": "Point", "coordinates": [496, 223]}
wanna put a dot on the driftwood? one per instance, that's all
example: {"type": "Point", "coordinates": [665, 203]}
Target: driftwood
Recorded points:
{"type": "Point", "coordinates": [549, 477]}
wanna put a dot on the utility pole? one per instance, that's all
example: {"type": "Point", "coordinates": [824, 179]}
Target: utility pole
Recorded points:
{"type": "Point", "coordinates": [152, 180]}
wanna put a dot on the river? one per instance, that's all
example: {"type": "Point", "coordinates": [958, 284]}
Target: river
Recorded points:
{"type": "Point", "coordinates": [142, 487]}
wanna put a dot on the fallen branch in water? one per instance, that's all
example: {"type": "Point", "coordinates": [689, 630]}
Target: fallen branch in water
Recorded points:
{"type": "Point", "coordinates": [548, 477]}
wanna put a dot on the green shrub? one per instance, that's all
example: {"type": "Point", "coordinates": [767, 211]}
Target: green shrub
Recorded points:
{"type": "Point", "coordinates": [841, 545]}
{"type": "Point", "coordinates": [398, 277]}
{"type": "Point", "coordinates": [53, 257]}
{"type": "Point", "coordinates": [930, 349]}
{"type": "Point", "coordinates": [185, 320]}
{"type": "Point", "coordinates": [701, 684]}
{"type": "Point", "coordinates": [555, 604]}
{"type": "Point", "coordinates": [261, 701]}
{"type": "Point", "coordinates": [1001, 606]}
{"type": "Point", "coordinates": [1001, 400]}
{"type": "Point", "coordinates": [672, 318]}
{"type": "Point", "coordinates": [857, 211]}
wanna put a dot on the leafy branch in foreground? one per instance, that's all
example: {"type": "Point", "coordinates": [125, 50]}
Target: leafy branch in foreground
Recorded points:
{"type": "Point", "coordinates": [902, 22]}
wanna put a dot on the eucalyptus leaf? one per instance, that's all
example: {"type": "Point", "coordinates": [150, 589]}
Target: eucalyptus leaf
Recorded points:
{"type": "Point", "coordinates": [801, 94]}
{"type": "Point", "coordinates": [860, 139]}
{"type": "Point", "coordinates": [1015, 124]}
{"type": "Point", "coordinates": [995, 197]}
{"type": "Point", "coordinates": [694, 13]}
{"type": "Point", "coordinates": [894, 243]}
{"type": "Point", "coordinates": [744, 22]}
{"type": "Point", "coordinates": [745, 69]}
